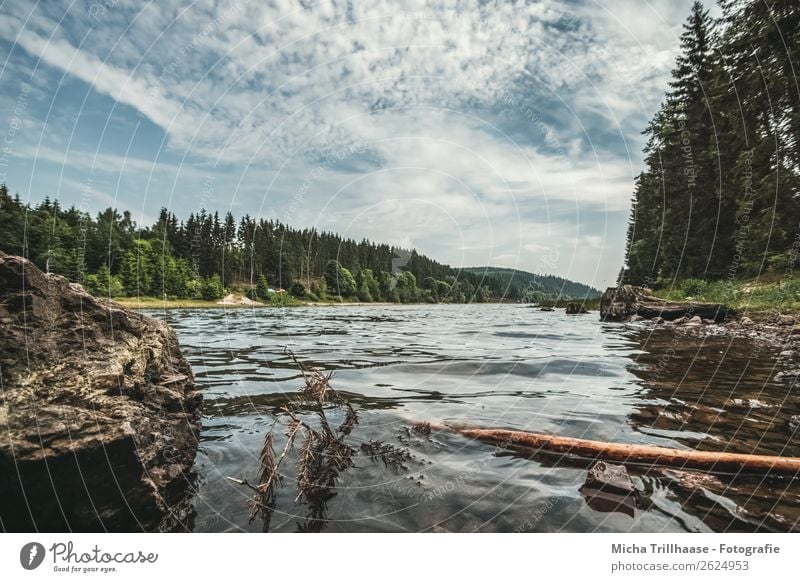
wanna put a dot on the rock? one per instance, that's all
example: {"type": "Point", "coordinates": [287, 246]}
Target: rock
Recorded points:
{"type": "Point", "coordinates": [609, 477]}
{"type": "Point", "coordinates": [695, 321]}
{"type": "Point", "coordinates": [545, 308]}
{"type": "Point", "coordinates": [575, 309]}
{"type": "Point", "coordinates": [608, 488]}
{"type": "Point", "coordinates": [785, 320]}
{"type": "Point", "coordinates": [99, 412]}
{"type": "Point", "coordinates": [709, 321]}
{"type": "Point", "coordinates": [787, 354]}
{"type": "Point", "coordinates": [658, 320]}
{"type": "Point", "coordinates": [794, 424]}
{"type": "Point", "coordinates": [620, 303]}
{"type": "Point", "coordinates": [635, 318]}
{"type": "Point", "coordinates": [745, 321]}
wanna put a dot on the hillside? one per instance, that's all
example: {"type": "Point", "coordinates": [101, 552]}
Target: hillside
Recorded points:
{"type": "Point", "coordinates": [525, 286]}
{"type": "Point", "coordinates": [205, 256]}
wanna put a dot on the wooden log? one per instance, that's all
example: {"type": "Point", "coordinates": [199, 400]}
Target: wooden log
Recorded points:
{"type": "Point", "coordinates": [629, 453]}
{"type": "Point", "coordinates": [621, 303]}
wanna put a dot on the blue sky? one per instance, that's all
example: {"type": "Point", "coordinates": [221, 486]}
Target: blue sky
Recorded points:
{"type": "Point", "coordinates": [502, 133]}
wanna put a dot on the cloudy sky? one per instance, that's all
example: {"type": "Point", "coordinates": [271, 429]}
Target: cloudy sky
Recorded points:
{"type": "Point", "coordinates": [481, 133]}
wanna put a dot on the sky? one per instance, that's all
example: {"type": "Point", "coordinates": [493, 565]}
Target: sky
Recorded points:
{"type": "Point", "coordinates": [480, 133]}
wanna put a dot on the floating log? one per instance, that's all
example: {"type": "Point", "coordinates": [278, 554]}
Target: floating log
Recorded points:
{"type": "Point", "coordinates": [621, 303]}
{"type": "Point", "coordinates": [529, 442]}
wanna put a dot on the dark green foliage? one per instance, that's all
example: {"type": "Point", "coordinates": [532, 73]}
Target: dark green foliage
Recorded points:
{"type": "Point", "coordinates": [513, 284]}
{"type": "Point", "coordinates": [340, 280]}
{"type": "Point", "coordinates": [262, 288]}
{"type": "Point", "coordinates": [297, 290]}
{"type": "Point", "coordinates": [206, 254]}
{"type": "Point", "coordinates": [212, 288]}
{"type": "Point", "coordinates": [719, 196]}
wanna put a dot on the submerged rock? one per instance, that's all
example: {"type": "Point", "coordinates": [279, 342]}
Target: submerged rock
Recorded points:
{"type": "Point", "coordinates": [608, 488]}
{"type": "Point", "coordinates": [575, 309]}
{"type": "Point", "coordinates": [99, 414]}
{"type": "Point", "coordinates": [609, 477]}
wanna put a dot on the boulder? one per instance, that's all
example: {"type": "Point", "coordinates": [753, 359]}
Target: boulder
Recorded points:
{"type": "Point", "coordinates": [575, 309]}
{"type": "Point", "coordinates": [99, 413]}
{"type": "Point", "coordinates": [609, 488]}
{"type": "Point", "coordinates": [620, 303]}
{"type": "Point", "coordinates": [609, 477]}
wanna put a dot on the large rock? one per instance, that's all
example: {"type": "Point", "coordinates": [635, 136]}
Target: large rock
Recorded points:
{"type": "Point", "coordinates": [621, 303]}
{"type": "Point", "coordinates": [99, 415]}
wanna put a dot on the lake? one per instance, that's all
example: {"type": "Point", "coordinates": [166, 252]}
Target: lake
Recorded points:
{"type": "Point", "coordinates": [503, 366]}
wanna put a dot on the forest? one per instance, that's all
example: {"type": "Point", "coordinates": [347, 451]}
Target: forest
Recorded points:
{"type": "Point", "coordinates": [718, 199]}
{"type": "Point", "coordinates": [207, 256]}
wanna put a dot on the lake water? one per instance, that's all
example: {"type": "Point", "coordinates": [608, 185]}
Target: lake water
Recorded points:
{"type": "Point", "coordinates": [503, 366]}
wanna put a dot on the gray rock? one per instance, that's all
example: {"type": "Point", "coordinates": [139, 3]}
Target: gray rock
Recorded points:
{"type": "Point", "coordinates": [575, 309]}
{"type": "Point", "coordinates": [785, 320]}
{"type": "Point", "coordinates": [97, 396]}
{"type": "Point", "coordinates": [658, 320]}
{"type": "Point", "coordinates": [609, 477]}
{"type": "Point", "coordinates": [695, 321]}
{"type": "Point", "coordinates": [746, 321]}
{"type": "Point", "coordinates": [794, 424]}
{"type": "Point", "coordinates": [635, 318]}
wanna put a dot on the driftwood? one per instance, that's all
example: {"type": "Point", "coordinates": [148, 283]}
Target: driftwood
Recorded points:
{"type": "Point", "coordinates": [621, 303]}
{"type": "Point", "coordinates": [529, 442]}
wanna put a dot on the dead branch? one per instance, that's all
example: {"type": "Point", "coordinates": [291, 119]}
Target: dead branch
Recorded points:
{"type": "Point", "coordinates": [629, 453]}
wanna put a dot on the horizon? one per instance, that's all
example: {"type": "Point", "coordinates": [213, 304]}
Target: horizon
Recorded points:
{"type": "Point", "coordinates": [476, 138]}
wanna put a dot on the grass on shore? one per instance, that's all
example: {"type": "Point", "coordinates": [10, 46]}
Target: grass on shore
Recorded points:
{"type": "Point", "coordinates": [754, 296]}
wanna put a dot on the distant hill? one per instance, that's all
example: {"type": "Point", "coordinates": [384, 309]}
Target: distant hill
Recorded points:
{"type": "Point", "coordinates": [516, 284]}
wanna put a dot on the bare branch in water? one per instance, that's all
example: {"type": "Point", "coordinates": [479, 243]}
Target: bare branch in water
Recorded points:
{"type": "Point", "coordinates": [350, 420]}
{"type": "Point", "coordinates": [322, 457]}
{"type": "Point", "coordinates": [393, 457]}
{"type": "Point", "coordinates": [264, 498]}
{"type": "Point", "coordinates": [422, 428]}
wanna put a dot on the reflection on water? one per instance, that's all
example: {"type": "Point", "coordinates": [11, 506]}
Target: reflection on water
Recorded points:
{"type": "Point", "coordinates": [488, 365]}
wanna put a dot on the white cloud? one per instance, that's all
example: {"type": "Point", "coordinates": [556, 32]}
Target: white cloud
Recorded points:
{"type": "Point", "coordinates": [269, 88]}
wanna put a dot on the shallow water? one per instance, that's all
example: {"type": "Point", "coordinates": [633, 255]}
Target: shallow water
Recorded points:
{"type": "Point", "coordinates": [504, 366]}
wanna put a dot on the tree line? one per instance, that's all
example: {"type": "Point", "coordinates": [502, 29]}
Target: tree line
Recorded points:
{"type": "Point", "coordinates": [206, 256]}
{"type": "Point", "coordinates": [719, 196]}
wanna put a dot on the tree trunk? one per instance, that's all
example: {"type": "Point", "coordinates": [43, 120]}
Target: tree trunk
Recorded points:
{"type": "Point", "coordinates": [621, 303]}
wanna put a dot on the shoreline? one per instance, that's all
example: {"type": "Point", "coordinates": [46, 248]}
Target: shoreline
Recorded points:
{"type": "Point", "coordinates": [153, 303]}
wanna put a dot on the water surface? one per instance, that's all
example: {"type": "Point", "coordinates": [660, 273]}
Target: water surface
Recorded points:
{"type": "Point", "coordinates": [505, 366]}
